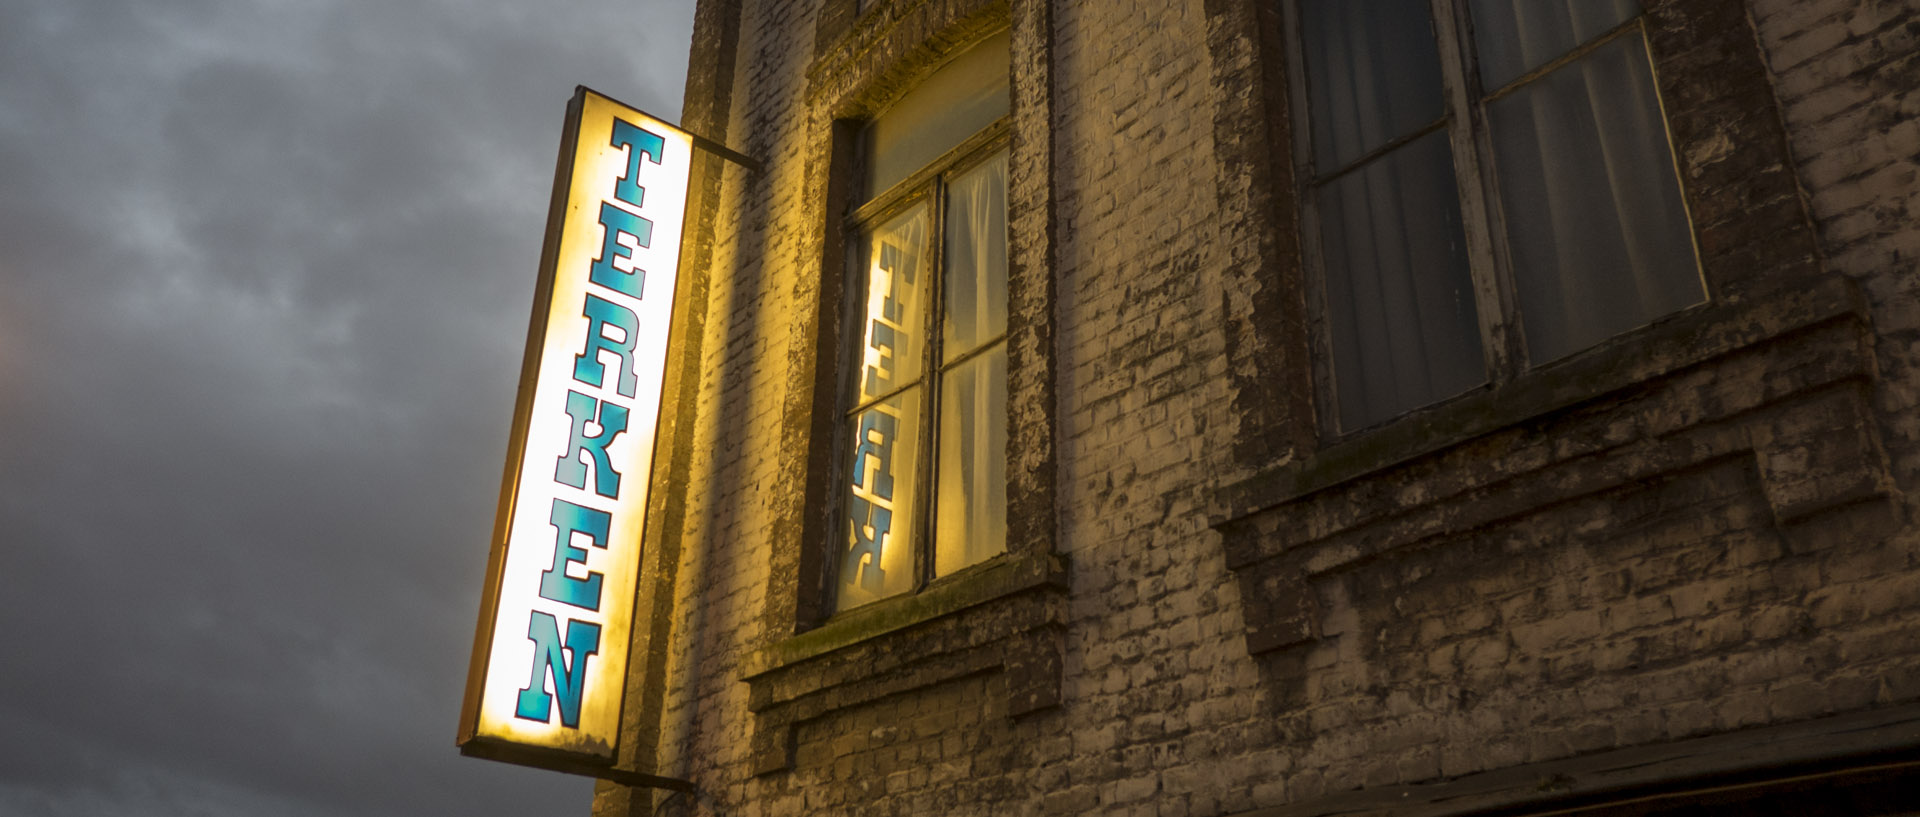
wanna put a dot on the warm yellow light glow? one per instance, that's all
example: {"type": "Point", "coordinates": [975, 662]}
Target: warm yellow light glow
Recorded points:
{"type": "Point", "coordinates": [885, 434]}
{"type": "Point", "coordinates": [590, 319]}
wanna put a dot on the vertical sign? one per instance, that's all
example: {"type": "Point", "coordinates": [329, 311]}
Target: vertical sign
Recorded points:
{"type": "Point", "coordinates": [550, 652]}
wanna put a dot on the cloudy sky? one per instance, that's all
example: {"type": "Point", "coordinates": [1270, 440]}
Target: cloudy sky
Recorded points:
{"type": "Point", "coordinates": [265, 268]}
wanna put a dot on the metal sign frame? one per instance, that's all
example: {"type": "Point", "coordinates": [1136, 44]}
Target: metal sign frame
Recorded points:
{"type": "Point", "coordinates": [592, 321]}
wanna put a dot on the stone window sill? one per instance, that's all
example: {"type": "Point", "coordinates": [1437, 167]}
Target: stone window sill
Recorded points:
{"type": "Point", "coordinates": [1777, 383]}
{"type": "Point", "coordinates": [1005, 617]}
{"type": "Point", "coordinates": [1688, 339]}
{"type": "Point", "coordinates": [1005, 575]}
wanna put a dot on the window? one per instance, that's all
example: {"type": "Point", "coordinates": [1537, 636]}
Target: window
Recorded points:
{"type": "Point", "coordinates": [925, 419]}
{"type": "Point", "coordinates": [1488, 186]}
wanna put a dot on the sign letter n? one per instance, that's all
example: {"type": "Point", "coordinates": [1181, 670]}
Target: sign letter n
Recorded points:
{"type": "Point", "coordinates": [583, 639]}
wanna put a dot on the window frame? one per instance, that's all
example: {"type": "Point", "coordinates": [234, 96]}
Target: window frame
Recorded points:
{"type": "Point", "coordinates": [1001, 616]}
{"type": "Point", "coordinates": [927, 185]}
{"type": "Point", "coordinates": [1756, 244]}
{"type": "Point", "coordinates": [1483, 224]}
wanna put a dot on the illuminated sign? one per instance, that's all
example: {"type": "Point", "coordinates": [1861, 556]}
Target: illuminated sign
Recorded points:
{"type": "Point", "coordinates": [550, 654]}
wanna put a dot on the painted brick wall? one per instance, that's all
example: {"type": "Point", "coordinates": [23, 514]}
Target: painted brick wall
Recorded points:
{"type": "Point", "coordinates": [1640, 567]}
{"type": "Point", "coordinates": [1848, 79]}
{"type": "Point", "coordinates": [1162, 712]}
{"type": "Point", "coordinates": [722, 575]}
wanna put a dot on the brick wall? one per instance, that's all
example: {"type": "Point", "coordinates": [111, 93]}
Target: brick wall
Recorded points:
{"type": "Point", "coordinates": [723, 572]}
{"type": "Point", "coordinates": [1713, 539]}
{"type": "Point", "coordinates": [1161, 703]}
{"type": "Point", "coordinates": [1848, 79]}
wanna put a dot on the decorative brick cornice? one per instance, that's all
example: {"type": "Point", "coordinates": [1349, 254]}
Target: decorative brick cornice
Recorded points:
{"type": "Point", "coordinates": [1781, 383]}
{"type": "Point", "coordinates": [1007, 616]}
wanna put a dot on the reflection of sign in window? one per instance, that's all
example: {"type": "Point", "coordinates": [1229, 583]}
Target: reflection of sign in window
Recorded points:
{"type": "Point", "coordinates": [927, 432]}
{"type": "Point", "coordinates": [871, 507]}
{"type": "Point", "coordinates": [886, 331]}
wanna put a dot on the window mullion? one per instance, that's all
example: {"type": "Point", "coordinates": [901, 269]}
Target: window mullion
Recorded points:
{"type": "Point", "coordinates": [1320, 345]}
{"type": "Point", "coordinates": [1468, 140]}
{"type": "Point", "coordinates": [930, 381]}
{"type": "Point", "coordinates": [948, 364]}
{"type": "Point", "coordinates": [1390, 146]}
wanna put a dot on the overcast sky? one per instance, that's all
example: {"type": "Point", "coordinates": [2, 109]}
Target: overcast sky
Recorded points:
{"type": "Point", "coordinates": [265, 269]}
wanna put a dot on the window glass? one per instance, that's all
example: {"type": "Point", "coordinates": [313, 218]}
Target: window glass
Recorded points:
{"type": "Point", "coordinates": [955, 102]}
{"type": "Point", "coordinates": [1585, 196]}
{"type": "Point", "coordinates": [1595, 223]}
{"type": "Point", "coordinates": [878, 558]}
{"type": "Point", "coordinates": [1399, 296]}
{"type": "Point", "coordinates": [883, 437]}
{"type": "Point", "coordinates": [1517, 36]}
{"type": "Point", "coordinates": [970, 503]}
{"type": "Point", "coordinates": [894, 312]}
{"type": "Point", "coordinates": [1373, 75]}
{"type": "Point", "coordinates": [971, 498]}
{"type": "Point", "coordinates": [942, 251]}
{"type": "Point", "coordinates": [976, 258]}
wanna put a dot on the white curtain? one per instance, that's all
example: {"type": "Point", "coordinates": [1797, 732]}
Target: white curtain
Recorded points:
{"type": "Point", "coordinates": [1399, 296]}
{"type": "Point", "coordinates": [1596, 227]}
{"type": "Point", "coordinates": [970, 502]}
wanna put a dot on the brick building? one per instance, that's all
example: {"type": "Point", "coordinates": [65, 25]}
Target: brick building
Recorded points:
{"type": "Point", "coordinates": [1433, 411]}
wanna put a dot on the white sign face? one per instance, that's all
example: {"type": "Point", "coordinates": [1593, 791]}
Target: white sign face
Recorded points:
{"type": "Point", "coordinates": [550, 664]}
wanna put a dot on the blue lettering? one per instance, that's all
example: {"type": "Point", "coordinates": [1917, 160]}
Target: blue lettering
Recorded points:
{"type": "Point", "coordinates": [602, 313]}
{"type": "Point", "coordinates": [570, 470]}
{"type": "Point", "coordinates": [620, 222]}
{"type": "Point", "coordinates": [569, 679]}
{"type": "Point", "coordinates": [638, 143]}
{"type": "Point", "coordinates": [866, 515]}
{"type": "Point", "coordinates": [877, 433]}
{"type": "Point", "coordinates": [883, 337]}
{"type": "Point", "coordinates": [569, 519]}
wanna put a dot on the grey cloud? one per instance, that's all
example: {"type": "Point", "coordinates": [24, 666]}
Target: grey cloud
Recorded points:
{"type": "Point", "coordinates": [264, 274]}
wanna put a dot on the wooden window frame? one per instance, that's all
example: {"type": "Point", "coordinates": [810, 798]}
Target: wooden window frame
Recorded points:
{"type": "Point", "coordinates": [1490, 266]}
{"type": "Point", "coordinates": [928, 185]}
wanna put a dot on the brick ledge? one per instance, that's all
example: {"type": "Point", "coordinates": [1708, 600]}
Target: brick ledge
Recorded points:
{"type": "Point", "coordinates": [1004, 576]}
{"type": "Point", "coordinates": [1690, 339]}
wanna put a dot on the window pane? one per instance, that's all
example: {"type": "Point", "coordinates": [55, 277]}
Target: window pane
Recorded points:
{"type": "Point", "coordinates": [1517, 36]}
{"type": "Point", "coordinates": [1597, 229]}
{"type": "Point", "coordinates": [876, 559]}
{"type": "Point", "coordinates": [955, 102]}
{"type": "Point", "coordinates": [1373, 75]}
{"type": "Point", "coordinates": [893, 309]}
{"type": "Point", "coordinates": [970, 505]}
{"type": "Point", "coordinates": [1399, 301]}
{"type": "Point", "coordinates": [976, 250]}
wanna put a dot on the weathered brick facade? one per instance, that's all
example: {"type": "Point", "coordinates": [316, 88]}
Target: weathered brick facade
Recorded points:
{"type": "Point", "coordinates": [1684, 558]}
